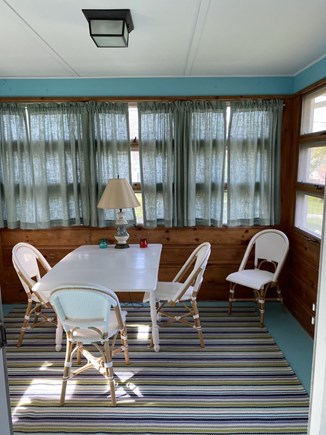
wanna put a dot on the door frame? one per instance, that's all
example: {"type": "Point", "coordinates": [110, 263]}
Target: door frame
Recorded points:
{"type": "Point", "coordinates": [5, 409]}
{"type": "Point", "coordinates": [317, 410]}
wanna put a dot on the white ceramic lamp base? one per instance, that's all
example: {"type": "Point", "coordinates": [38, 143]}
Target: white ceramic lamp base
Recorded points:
{"type": "Point", "coordinates": [121, 235]}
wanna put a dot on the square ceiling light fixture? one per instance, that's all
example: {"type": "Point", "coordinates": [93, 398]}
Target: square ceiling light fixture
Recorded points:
{"type": "Point", "coordinates": [109, 27]}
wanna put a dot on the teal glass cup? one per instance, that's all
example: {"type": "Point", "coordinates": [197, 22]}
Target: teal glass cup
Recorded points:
{"type": "Point", "coordinates": [104, 243]}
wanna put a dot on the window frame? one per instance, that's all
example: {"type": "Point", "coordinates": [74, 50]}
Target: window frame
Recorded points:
{"type": "Point", "coordinates": [134, 147]}
{"type": "Point", "coordinates": [315, 190]}
{"type": "Point", "coordinates": [308, 108]}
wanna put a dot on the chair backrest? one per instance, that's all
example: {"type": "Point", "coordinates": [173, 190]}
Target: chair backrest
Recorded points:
{"type": "Point", "coordinates": [270, 245]}
{"type": "Point", "coordinates": [26, 259]}
{"type": "Point", "coordinates": [192, 272]}
{"type": "Point", "coordinates": [85, 306]}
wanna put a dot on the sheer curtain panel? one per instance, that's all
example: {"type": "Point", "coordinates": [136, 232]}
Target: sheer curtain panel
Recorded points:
{"type": "Point", "coordinates": [202, 163]}
{"type": "Point", "coordinates": [109, 147]}
{"type": "Point", "coordinates": [157, 162]}
{"type": "Point", "coordinates": [254, 146]}
{"type": "Point", "coordinates": [16, 178]}
{"type": "Point", "coordinates": [56, 159]}
{"type": "Point", "coordinates": [182, 151]}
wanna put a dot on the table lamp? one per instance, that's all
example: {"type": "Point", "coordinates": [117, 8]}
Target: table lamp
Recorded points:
{"type": "Point", "coordinates": [119, 194]}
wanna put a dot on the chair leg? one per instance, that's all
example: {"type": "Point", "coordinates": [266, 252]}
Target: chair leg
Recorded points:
{"type": "Point", "coordinates": [261, 303]}
{"type": "Point", "coordinates": [25, 323]}
{"type": "Point", "coordinates": [108, 365]}
{"type": "Point", "coordinates": [78, 356]}
{"type": "Point", "coordinates": [197, 322]}
{"type": "Point", "coordinates": [124, 344]}
{"type": "Point", "coordinates": [66, 371]}
{"type": "Point", "coordinates": [279, 294]}
{"type": "Point", "coordinates": [231, 297]}
{"type": "Point", "coordinates": [37, 314]}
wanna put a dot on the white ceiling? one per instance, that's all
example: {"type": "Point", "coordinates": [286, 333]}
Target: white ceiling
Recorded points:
{"type": "Point", "coordinates": [171, 38]}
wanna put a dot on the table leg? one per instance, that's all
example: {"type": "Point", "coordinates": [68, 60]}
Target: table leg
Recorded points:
{"type": "Point", "coordinates": [58, 336]}
{"type": "Point", "coordinates": [155, 328]}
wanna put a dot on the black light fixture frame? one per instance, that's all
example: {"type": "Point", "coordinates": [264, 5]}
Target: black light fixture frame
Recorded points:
{"type": "Point", "coordinates": [108, 14]}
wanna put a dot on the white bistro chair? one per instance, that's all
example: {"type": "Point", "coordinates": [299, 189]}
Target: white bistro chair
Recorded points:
{"type": "Point", "coordinates": [26, 260]}
{"type": "Point", "coordinates": [183, 290]}
{"type": "Point", "coordinates": [91, 317]}
{"type": "Point", "coordinates": [268, 250]}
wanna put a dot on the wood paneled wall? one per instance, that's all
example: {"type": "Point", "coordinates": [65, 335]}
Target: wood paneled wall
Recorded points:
{"type": "Point", "coordinates": [303, 270]}
{"type": "Point", "coordinates": [228, 246]}
{"type": "Point", "coordinates": [303, 262]}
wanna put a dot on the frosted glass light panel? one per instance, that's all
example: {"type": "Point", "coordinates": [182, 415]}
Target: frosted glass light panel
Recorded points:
{"type": "Point", "coordinates": [312, 163]}
{"type": "Point", "coordinates": [313, 117]}
{"type": "Point", "coordinates": [309, 214]}
{"type": "Point", "coordinates": [108, 33]}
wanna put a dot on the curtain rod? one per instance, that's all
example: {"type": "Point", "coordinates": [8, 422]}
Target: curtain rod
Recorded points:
{"type": "Point", "coordinates": [138, 99]}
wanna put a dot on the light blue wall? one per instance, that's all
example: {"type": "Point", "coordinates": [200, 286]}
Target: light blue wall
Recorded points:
{"type": "Point", "coordinates": [133, 87]}
{"type": "Point", "coordinates": [178, 86]}
{"type": "Point", "coordinates": [310, 75]}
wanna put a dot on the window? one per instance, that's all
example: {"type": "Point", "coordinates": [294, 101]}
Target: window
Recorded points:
{"type": "Point", "coordinates": [309, 213]}
{"type": "Point", "coordinates": [135, 163]}
{"type": "Point", "coordinates": [56, 158]}
{"type": "Point", "coordinates": [184, 146]}
{"type": "Point", "coordinates": [62, 154]}
{"type": "Point", "coordinates": [313, 117]}
{"type": "Point", "coordinates": [311, 164]}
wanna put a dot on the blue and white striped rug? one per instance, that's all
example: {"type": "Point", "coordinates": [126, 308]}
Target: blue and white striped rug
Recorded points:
{"type": "Point", "coordinates": [239, 384]}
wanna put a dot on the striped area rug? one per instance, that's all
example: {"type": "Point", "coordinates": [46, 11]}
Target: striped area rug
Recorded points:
{"type": "Point", "coordinates": [239, 384]}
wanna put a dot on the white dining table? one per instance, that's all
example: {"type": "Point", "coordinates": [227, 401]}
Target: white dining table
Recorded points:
{"type": "Point", "coordinates": [133, 269]}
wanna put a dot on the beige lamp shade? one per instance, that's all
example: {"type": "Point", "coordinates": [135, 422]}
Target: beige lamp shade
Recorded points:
{"type": "Point", "coordinates": [118, 194]}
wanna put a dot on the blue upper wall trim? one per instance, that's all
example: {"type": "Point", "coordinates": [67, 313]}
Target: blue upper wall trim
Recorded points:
{"type": "Point", "coordinates": [174, 86]}
{"type": "Point", "coordinates": [133, 87]}
{"type": "Point", "coordinates": [310, 75]}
